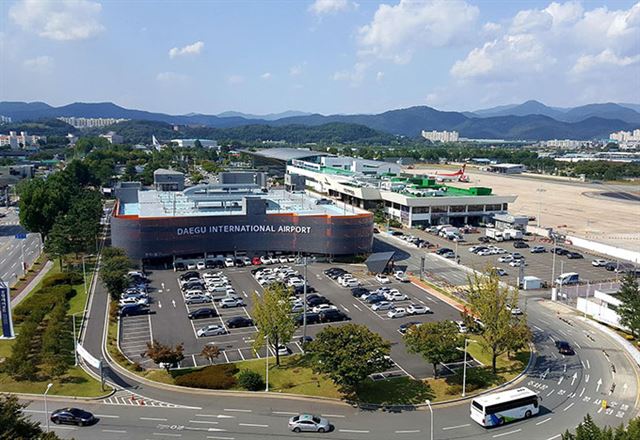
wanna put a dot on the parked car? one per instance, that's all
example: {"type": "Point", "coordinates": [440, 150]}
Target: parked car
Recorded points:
{"type": "Point", "coordinates": [239, 321]}
{"type": "Point", "coordinates": [308, 422]}
{"type": "Point", "coordinates": [398, 312]}
{"type": "Point", "coordinates": [559, 251]}
{"type": "Point", "coordinates": [564, 348]}
{"type": "Point", "coordinates": [375, 298]}
{"type": "Point", "coordinates": [197, 299]}
{"type": "Point", "coordinates": [418, 309]}
{"type": "Point", "coordinates": [505, 259]}
{"type": "Point", "coordinates": [382, 278]}
{"type": "Point", "coordinates": [517, 263]}
{"type": "Point", "coordinates": [333, 316]}
{"type": "Point", "coordinates": [395, 295]}
{"type": "Point", "coordinates": [406, 326]}
{"type": "Point", "coordinates": [382, 305]}
{"type": "Point", "coordinates": [205, 312]}
{"type": "Point", "coordinates": [229, 262]}
{"type": "Point", "coordinates": [401, 276]}
{"type": "Point", "coordinates": [211, 330]}
{"type": "Point", "coordinates": [538, 250]}
{"type": "Point", "coordinates": [500, 271]}
{"type": "Point", "coordinates": [323, 307]}
{"type": "Point", "coordinates": [283, 350]}
{"type": "Point", "coordinates": [316, 301]}
{"type": "Point", "coordinates": [599, 262]}
{"type": "Point", "coordinates": [461, 327]}
{"type": "Point", "coordinates": [484, 239]}
{"type": "Point", "coordinates": [312, 318]}
{"type": "Point", "coordinates": [178, 267]}
{"type": "Point", "coordinates": [443, 251]}
{"type": "Point", "coordinates": [200, 265]}
{"type": "Point", "coordinates": [514, 310]}
{"type": "Point", "coordinates": [574, 255]}
{"type": "Point", "coordinates": [72, 416]}
{"type": "Point", "coordinates": [359, 291]}
{"type": "Point", "coordinates": [231, 302]}
{"type": "Point", "coordinates": [352, 282]}
{"type": "Point", "coordinates": [520, 244]}
{"type": "Point", "coordinates": [133, 310]}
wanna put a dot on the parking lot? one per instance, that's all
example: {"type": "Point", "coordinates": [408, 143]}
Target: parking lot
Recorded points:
{"type": "Point", "coordinates": [169, 322]}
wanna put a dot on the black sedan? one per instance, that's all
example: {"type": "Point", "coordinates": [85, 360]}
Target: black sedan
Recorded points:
{"type": "Point", "coordinates": [312, 318]}
{"type": "Point", "coordinates": [574, 255]}
{"type": "Point", "coordinates": [333, 316]}
{"type": "Point", "coordinates": [205, 312]}
{"type": "Point", "coordinates": [520, 245]}
{"type": "Point", "coordinates": [559, 251]}
{"type": "Point", "coordinates": [406, 326]}
{"type": "Point", "coordinates": [73, 416]}
{"type": "Point", "coordinates": [564, 348]}
{"type": "Point", "coordinates": [317, 300]}
{"type": "Point", "coordinates": [443, 251]}
{"type": "Point", "coordinates": [239, 321]}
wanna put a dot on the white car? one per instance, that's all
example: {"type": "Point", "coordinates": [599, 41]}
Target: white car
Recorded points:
{"type": "Point", "coordinates": [351, 283]}
{"type": "Point", "coordinates": [461, 327]}
{"type": "Point", "coordinates": [382, 305]}
{"type": "Point", "coordinates": [297, 307]}
{"type": "Point", "coordinates": [283, 259]}
{"type": "Point", "coordinates": [192, 292]}
{"type": "Point", "coordinates": [211, 330]}
{"type": "Point", "coordinates": [296, 282]}
{"type": "Point", "coordinates": [505, 259]}
{"type": "Point", "coordinates": [265, 260]}
{"type": "Point", "coordinates": [382, 278]}
{"type": "Point", "coordinates": [517, 263]}
{"type": "Point", "coordinates": [128, 301]}
{"type": "Point", "coordinates": [485, 252]}
{"type": "Point", "coordinates": [401, 276]}
{"type": "Point", "coordinates": [283, 350]}
{"type": "Point", "coordinates": [394, 295]}
{"type": "Point", "coordinates": [231, 302]}
{"type": "Point", "coordinates": [200, 265]}
{"type": "Point", "coordinates": [599, 262]}
{"type": "Point", "coordinates": [323, 307]}
{"type": "Point", "coordinates": [197, 299]}
{"type": "Point", "coordinates": [228, 262]}
{"type": "Point", "coordinates": [418, 309]}
{"type": "Point", "coordinates": [191, 266]}
{"type": "Point", "coordinates": [514, 310]}
{"type": "Point", "coordinates": [398, 312]}
{"type": "Point", "coordinates": [346, 276]}
{"type": "Point", "coordinates": [500, 271]}
{"type": "Point", "coordinates": [246, 261]}
{"type": "Point", "coordinates": [291, 259]}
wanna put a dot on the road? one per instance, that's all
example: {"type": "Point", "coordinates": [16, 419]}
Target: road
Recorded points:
{"type": "Point", "coordinates": [12, 249]}
{"type": "Point", "coordinates": [570, 387]}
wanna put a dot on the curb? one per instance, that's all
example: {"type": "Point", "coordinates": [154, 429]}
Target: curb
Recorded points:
{"type": "Point", "coordinates": [54, 397]}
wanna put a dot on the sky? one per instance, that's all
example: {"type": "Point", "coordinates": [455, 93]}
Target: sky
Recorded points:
{"type": "Point", "coordinates": [325, 56]}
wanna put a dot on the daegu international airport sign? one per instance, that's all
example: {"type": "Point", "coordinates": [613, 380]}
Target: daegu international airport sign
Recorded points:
{"type": "Point", "coordinates": [5, 311]}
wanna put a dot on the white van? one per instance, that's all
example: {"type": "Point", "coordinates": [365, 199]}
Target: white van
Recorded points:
{"type": "Point", "coordinates": [568, 278]}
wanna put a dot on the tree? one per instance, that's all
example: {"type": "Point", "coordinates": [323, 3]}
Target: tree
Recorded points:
{"type": "Point", "coordinates": [16, 425]}
{"type": "Point", "coordinates": [589, 430]}
{"type": "Point", "coordinates": [210, 352]}
{"type": "Point", "coordinates": [629, 310]}
{"type": "Point", "coordinates": [348, 354]}
{"type": "Point", "coordinates": [115, 265]}
{"type": "Point", "coordinates": [272, 314]}
{"type": "Point", "coordinates": [437, 342]}
{"type": "Point", "coordinates": [519, 337]}
{"type": "Point", "coordinates": [166, 355]}
{"type": "Point", "coordinates": [197, 144]}
{"type": "Point", "coordinates": [491, 303]}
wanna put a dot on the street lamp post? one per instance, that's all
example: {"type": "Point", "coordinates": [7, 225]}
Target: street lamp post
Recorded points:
{"type": "Point", "coordinates": [46, 411]}
{"type": "Point", "coordinates": [553, 268]}
{"type": "Point", "coordinates": [266, 389]}
{"type": "Point", "coordinates": [428, 402]}
{"type": "Point", "coordinates": [540, 190]}
{"type": "Point", "coordinates": [464, 367]}
{"type": "Point", "coordinates": [75, 339]}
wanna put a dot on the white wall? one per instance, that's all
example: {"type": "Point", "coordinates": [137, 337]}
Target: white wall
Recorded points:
{"type": "Point", "coordinates": [599, 312]}
{"type": "Point", "coordinates": [612, 251]}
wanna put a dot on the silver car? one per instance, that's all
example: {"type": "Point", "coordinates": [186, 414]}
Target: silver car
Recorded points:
{"type": "Point", "coordinates": [231, 302]}
{"type": "Point", "coordinates": [197, 299]}
{"type": "Point", "coordinates": [211, 330]}
{"type": "Point", "coordinates": [308, 422]}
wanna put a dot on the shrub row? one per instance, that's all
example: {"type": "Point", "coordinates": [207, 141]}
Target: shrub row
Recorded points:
{"type": "Point", "coordinates": [70, 278]}
{"type": "Point", "coordinates": [215, 377]}
{"type": "Point", "coordinates": [37, 305]}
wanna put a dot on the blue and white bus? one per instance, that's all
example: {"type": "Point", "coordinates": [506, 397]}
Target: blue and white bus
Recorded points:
{"type": "Point", "coordinates": [504, 407]}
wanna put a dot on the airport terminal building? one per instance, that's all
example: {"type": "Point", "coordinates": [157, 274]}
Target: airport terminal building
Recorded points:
{"type": "Point", "coordinates": [235, 218]}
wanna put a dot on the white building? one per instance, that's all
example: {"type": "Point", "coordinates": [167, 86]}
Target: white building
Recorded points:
{"type": "Point", "coordinates": [190, 143]}
{"type": "Point", "coordinates": [22, 140]}
{"type": "Point", "coordinates": [565, 143]}
{"type": "Point", "coordinates": [90, 122]}
{"type": "Point", "coordinates": [602, 306]}
{"type": "Point", "coordinates": [5, 119]}
{"type": "Point", "coordinates": [112, 137]}
{"type": "Point", "coordinates": [626, 136]}
{"type": "Point", "coordinates": [440, 136]}
{"type": "Point", "coordinates": [507, 168]}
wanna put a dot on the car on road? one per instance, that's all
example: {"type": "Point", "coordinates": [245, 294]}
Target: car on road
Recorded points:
{"type": "Point", "coordinates": [417, 309]}
{"type": "Point", "coordinates": [564, 348]}
{"type": "Point", "coordinates": [382, 278]}
{"type": "Point", "coordinates": [239, 321]}
{"type": "Point", "coordinates": [382, 305]}
{"type": "Point", "coordinates": [398, 312]}
{"type": "Point", "coordinates": [323, 307]}
{"type": "Point", "coordinates": [401, 276]}
{"type": "Point", "coordinates": [574, 255]}
{"type": "Point", "coordinates": [197, 299]}
{"type": "Point", "coordinates": [538, 250]}
{"type": "Point", "coordinates": [407, 325]}
{"type": "Point", "coordinates": [211, 330]}
{"type": "Point", "coordinates": [599, 262]}
{"type": "Point", "coordinates": [520, 245]}
{"type": "Point", "coordinates": [72, 416]}
{"type": "Point", "coordinates": [395, 295]}
{"type": "Point", "coordinates": [205, 312]}
{"type": "Point", "coordinates": [332, 316]}
{"type": "Point", "coordinates": [231, 302]}
{"type": "Point", "coordinates": [308, 422]}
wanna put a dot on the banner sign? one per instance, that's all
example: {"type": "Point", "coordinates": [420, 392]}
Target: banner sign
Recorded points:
{"type": "Point", "coordinates": [226, 229]}
{"type": "Point", "coordinates": [5, 311]}
{"type": "Point", "coordinates": [84, 354]}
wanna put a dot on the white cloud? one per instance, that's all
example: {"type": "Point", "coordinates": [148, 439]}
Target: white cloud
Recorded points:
{"type": "Point", "coordinates": [296, 70]}
{"type": "Point", "coordinates": [323, 7]}
{"type": "Point", "coordinates": [379, 76]}
{"type": "Point", "coordinates": [266, 75]}
{"type": "Point", "coordinates": [605, 59]}
{"type": "Point", "coordinates": [171, 77]}
{"type": "Point", "coordinates": [190, 49]}
{"type": "Point", "coordinates": [531, 20]}
{"type": "Point", "coordinates": [39, 64]}
{"type": "Point", "coordinates": [61, 20]}
{"type": "Point", "coordinates": [235, 80]}
{"type": "Point", "coordinates": [396, 32]}
{"type": "Point", "coordinates": [354, 76]}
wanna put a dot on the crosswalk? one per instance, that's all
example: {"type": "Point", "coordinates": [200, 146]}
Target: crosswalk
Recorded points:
{"type": "Point", "coordinates": [127, 398]}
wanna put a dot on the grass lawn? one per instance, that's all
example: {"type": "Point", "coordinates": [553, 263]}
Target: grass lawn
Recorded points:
{"type": "Point", "coordinates": [75, 383]}
{"type": "Point", "coordinates": [397, 391]}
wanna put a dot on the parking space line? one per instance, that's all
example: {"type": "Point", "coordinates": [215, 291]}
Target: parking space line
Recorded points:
{"type": "Point", "coordinates": [241, 355]}
{"type": "Point", "coordinates": [225, 356]}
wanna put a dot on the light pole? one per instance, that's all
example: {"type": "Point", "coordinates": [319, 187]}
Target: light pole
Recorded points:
{"type": "Point", "coordinates": [305, 262]}
{"type": "Point", "coordinates": [540, 191]}
{"type": "Point", "coordinates": [428, 402]}
{"type": "Point", "coordinates": [75, 339]}
{"type": "Point", "coordinates": [553, 268]}
{"type": "Point", "coordinates": [464, 368]}
{"type": "Point", "coordinates": [46, 411]}
{"type": "Point", "coordinates": [266, 388]}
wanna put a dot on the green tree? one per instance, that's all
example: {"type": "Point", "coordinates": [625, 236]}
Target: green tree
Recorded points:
{"type": "Point", "coordinates": [437, 342]}
{"type": "Point", "coordinates": [197, 144]}
{"type": "Point", "coordinates": [629, 310]}
{"type": "Point", "coordinates": [272, 315]}
{"type": "Point", "coordinates": [489, 301]}
{"type": "Point", "coordinates": [164, 355]}
{"type": "Point", "coordinates": [16, 425]}
{"type": "Point", "coordinates": [115, 265]}
{"type": "Point", "coordinates": [348, 354]}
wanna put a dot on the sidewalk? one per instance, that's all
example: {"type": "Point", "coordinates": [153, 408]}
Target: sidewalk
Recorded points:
{"type": "Point", "coordinates": [34, 282]}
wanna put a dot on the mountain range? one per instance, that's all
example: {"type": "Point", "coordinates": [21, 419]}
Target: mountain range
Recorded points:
{"type": "Point", "coordinates": [531, 120]}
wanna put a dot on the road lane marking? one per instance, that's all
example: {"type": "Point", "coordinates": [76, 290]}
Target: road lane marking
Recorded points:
{"type": "Point", "coordinates": [550, 392]}
{"type": "Point", "coordinates": [353, 431]}
{"type": "Point", "coordinates": [588, 365]}
{"type": "Point", "coordinates": [204, 421]}
{"type": "Point", "coordinates": [582, 392]}
{"type": "Point", "coordinates": [569, 406]}
{"type": "Point", "coordinates": [284, 413]}
{"type": "Point", "coordinates": [167, 435]}
{"type": "Point", "coordinates": [507, 433]}
{"type": "Point", "coordinates": [413, 431]}
{"type": "Point", "coordinates": [218, 416]}
{"type": "Point", "coordinates": [543, 421]}
{"type": "Point", "coordinates": [107, 416]}
{"type": "Point", "coordinates": [116, 431]}
{"type": "Point", "coordinates": [560, 380]}
{"type": "Point", "coordinates": [220, 438]}
{"type": "Point", "coordinates": [154, 419]}
{"type": "Point", "coordinates": [538, 328]}
{"type": "Point", "coordinates": [255, 425]}
{"type": "Point", "coordinates": [333, 415]}
{"type": "Point", "coordinates": [554, 437]}
{"type": "Point", "coordinates": [456, 427]}
{"type": "Point", "coordinates": [237, 410]}
{"type": "Point", "coordinates": [577, 345]}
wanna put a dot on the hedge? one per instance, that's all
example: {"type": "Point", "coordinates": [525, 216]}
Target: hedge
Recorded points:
{"type": "Point", "coordinates": [42, 301]}
{"type": "Point", "coordinates": [70, 278]}
{"type": "Point", "coordinates": [215, 377]}
{"type": "Point", "coordinates": [250, 380]}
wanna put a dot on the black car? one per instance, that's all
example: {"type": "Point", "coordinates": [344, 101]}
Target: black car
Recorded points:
{"type": "Point", "coordinates": [179, 267]}
{"type": "Point", "coordinates": [299, 290]}
{"type": "Point", "coordinates": [333, 316]}
{"type": "Point", "coordinates": [484, 239]}
{"type": "Point", "coordinates": [317, 300]}
{"type": "Point", "coordinates": [312, 318]}
{"type": "Point", "coordinates": [574, 255]}
{"type": "Point", "coordinates": [205, 312]}
{"type": "Point", "coordinates": [443, 251]}
{"type": "Point", "coordinates": [375, 298]}
{"type": "Point", "coordinates": [564, 348]}
{"type": "Point", "coordinates": [559, 251]}
{"type": "Point", "coordinates": [404, 327]}
{"type": "Point", "coordinates": [305, 340]}
{"type": "Point", "coordinates": [359, 291]}
{"type": "Point", "coordinates": [611, 266]}
{"type": "Point", "coordinates": [239, 321]}
{"type": "Point", "coordinates": [190, 274]}
{"type": "Point", "coordinates": [133, 310]}
{"type": "Point", "coordinates": [73, 416]}
{"type": "Point", "coordinates": [520, 245]}
{"type": "Point", "coordinates": [239, 262]}
{"type": "Point", "coordinates": [209, 264]}
{"type": "Point", "coordinates": [333, 269]}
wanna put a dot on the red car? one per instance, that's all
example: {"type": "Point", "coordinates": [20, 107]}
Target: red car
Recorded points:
{"type": "Point", "coordinates": [256, 261]}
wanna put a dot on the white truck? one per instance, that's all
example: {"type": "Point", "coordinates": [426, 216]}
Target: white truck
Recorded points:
{"type": "Point", "coordinates": [512, 234]}
{"type": "Point", "coordinates": [494, 234]}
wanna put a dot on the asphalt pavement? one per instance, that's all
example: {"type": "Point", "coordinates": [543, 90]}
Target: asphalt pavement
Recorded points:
{"type": "Point", "coordinates": [13, 249]}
